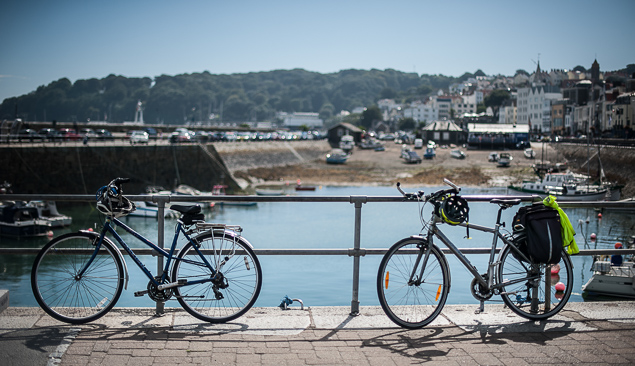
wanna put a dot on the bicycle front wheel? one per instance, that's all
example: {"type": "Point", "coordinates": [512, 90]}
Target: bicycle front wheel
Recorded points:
{"type": "Point", "coordinates": [412, 297]}
{"type": "Point", "coordinates": [65, 294]}
{"type": "Point", "coordinates": [535, 291]}
{"type": "Point", "coordinates": [226, 286]}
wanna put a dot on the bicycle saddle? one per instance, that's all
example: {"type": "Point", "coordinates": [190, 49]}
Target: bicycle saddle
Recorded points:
{"type": "Point", "coordinates": [506, 202]}
{"type": "Point", "coordinates": [186, 210]}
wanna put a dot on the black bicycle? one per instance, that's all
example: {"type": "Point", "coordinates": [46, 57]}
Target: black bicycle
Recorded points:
{"type": "Point", "coordinates": [413, 281]}
{"type": "Point", "coordinates": [215, 276]}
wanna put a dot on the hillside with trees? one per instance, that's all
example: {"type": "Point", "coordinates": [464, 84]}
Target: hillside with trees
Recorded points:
{"type": "Point", "coordinates": [232, 98]}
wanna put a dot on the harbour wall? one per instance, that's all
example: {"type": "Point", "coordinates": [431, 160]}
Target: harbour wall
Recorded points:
{"type": "Point", "coordinates": [617, 162]}
{"type": "Point", "coordinates": [82, 169]}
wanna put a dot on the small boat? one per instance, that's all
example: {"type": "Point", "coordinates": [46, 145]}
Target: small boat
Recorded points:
{"type": "Point", "coordinates": [336, 157]}
{"type": "Point", "coordinates": [504, 160]}
{"type": "Point", "coordinates": [304, 188]}
{"type": "Point", "coordinates": [457, 154]}
{"type": "Point", "coordinates": [47, 210]}
{"type": "Point", "coordinates": [430, 153]}
{"type": "Point", "coordinates": [21, 221]}
{"type": "Point", "coordinates": [530, 153]}
{"type": "Point", "coordinates": [565, 186]}
{"type": "Point", "coordinates": [347, 143]}
{"type": "Point", "coordinates": [612, 276]}
{"type": "Point", "coordinates": [269, 192]}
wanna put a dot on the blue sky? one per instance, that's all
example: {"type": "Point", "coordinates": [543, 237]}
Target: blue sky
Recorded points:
{"type": "Point", "coordinates": [43, 41]}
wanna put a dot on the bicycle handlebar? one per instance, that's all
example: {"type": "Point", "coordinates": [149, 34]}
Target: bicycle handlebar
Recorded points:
{"type": "Point", "coordinates": [432, 196]}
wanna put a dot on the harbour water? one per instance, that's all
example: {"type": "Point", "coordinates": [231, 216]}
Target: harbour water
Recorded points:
{"type": "Point", "coordinates": [324, 280]}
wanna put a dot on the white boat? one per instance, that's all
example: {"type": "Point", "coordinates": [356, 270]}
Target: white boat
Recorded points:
{"type": "Point", "coordinates": [614, 276]}
{"type": "Point", "coordinates": [20, 221]}
{"type": "Point", "coordinates": [269, 192]}
{"type": "Point", "coordinates": [150, 209]}
{"type": "Point", "coordinates": [530, 153]}
{"type": "Point", "coordinates": [347, 143]}
{"type": "Point", "coordinates": [47, 210]}
{"type": "Point", "coordinates": [565, 186]}
{"type": "Point", "coordinates": [612, 280]}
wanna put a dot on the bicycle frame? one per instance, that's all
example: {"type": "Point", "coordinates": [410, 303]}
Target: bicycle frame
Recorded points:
{"type": "Point", "coordinates": [493, 264]}
{"type": "Point", "coordinates": [159, 283]}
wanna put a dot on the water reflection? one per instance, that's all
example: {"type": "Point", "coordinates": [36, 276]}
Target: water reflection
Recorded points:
{"type": "Point", "coordinates": [323, 280]}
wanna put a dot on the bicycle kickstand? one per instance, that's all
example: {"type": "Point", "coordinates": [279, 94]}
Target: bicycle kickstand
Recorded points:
{"type": "Point", "coordinates": [481, 308]}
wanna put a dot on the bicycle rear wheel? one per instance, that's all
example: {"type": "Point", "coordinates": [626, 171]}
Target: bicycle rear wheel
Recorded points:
{"type": "Point", "coordinates": [65, 295]}
{"type": "Point", "coordinates": [408, 303]}
{"type": "Point", "coordinates": [535, 291]}
{"type": "Point", "coordinates": [229, 294]}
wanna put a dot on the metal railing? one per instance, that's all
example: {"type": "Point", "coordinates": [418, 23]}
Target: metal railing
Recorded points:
{"type": "Point", "coordinates": [357, 200]}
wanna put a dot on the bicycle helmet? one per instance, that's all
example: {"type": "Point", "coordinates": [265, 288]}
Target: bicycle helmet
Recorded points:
{"type": "Point", "coordinates": [454, 210]}
{"type": "Point", "coordinates": [112, 203]}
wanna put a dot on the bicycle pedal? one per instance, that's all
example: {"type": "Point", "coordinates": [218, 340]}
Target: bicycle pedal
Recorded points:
{"type": "Point", "coordinates": [140, 293]}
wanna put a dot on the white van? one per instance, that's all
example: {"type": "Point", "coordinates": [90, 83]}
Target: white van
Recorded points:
{"type": "Point", "coordinates": [418, 143]}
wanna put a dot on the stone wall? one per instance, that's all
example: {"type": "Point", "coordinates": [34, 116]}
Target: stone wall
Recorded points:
{"type": "Point", "coordinates": [83, 169]}
{"type": "Point", "coordinates": [79, 169]}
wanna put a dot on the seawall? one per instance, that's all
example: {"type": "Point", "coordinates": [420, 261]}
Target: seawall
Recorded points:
{"type": "Point", "coordinates": [82, 169]}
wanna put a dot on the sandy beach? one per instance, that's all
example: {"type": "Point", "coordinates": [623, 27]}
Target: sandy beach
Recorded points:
{"type": "Point", "coordinates": [369, 167]}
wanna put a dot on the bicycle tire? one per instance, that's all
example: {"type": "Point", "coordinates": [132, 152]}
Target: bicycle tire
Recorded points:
{"type": "Point", "coordinates": [77, 300]}
{"type": "Point", "coordinates": [519, 296]}
{"type": "Point", "coordinates": [409, 305]}
{"type": "Point", "coordinates": [241, 272]}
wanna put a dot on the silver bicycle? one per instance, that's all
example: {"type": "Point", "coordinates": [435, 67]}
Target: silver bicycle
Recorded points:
{"type": "Point", "coordinates": [413, 280]}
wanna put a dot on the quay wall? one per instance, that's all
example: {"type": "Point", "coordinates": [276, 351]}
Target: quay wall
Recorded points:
{"type": "Point", "coordinates": [617, 162]}
{"type": "Point", "coordinates": [82, 169]}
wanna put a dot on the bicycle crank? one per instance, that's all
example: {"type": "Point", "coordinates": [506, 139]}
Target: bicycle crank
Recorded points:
{"type": "Point", "coordinates": [479, 291]}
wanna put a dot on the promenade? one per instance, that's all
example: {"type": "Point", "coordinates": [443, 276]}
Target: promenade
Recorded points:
{"type": "Point", "coordinates": [600, 333]}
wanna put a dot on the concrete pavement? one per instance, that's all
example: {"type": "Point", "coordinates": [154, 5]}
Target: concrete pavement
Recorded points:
{"type": "Point", "coordinates": [583, 333]}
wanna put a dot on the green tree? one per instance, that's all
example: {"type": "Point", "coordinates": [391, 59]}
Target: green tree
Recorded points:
{"type": "Point", "coordinates": [407, 124]}
{"type": "Point", "coordinates": [371, 115]}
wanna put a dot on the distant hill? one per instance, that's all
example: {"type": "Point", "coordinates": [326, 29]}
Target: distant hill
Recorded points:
{"type": "Point", "coordinates": [236, 97]}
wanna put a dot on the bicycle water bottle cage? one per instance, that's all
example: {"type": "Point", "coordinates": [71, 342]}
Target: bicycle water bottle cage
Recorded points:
{"type": "Point", "coordinates": [454, 209]}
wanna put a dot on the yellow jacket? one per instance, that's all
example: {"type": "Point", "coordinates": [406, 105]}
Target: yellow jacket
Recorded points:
{"type": "Point", "coordinates": [568, 234]}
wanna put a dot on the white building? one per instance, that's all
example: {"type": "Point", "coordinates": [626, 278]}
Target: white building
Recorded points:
{"type": "Point", "coordinates": [421, 112]}
{"type": "Point", "coordinates": [296, 120]}
{"type": "Point", "coordinates": [531, 104]}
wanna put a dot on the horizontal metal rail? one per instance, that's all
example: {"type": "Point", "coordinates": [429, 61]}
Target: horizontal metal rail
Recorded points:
{"type": "Point", "coordinates": [327, 251]}
{"type": "Point", "coordinates": [357, 200]}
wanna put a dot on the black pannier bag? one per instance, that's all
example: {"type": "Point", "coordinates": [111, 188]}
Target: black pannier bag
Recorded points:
{"type": "Point", "coordinates": [542, 229]}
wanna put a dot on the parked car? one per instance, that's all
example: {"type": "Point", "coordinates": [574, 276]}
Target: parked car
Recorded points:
{"type": "Point", "coordinates": [180, 135]}
{"type": "Point", "coordinates": [88, 133]}
{"type": "Point", "coordinates": [50, 134]}
{"type": "Point", "coordinates": [104, 134]}
{"type": "Point", "coordinates": [418, 143]}
{"type": "Point", "coordinates": [139, 137]}
{"type": "Point", "coordinates": [152, 133]}
{"type": "Point", "coordinates": [29, 135]}
{"type": "Point", "coordinates": [429, 154]}
{"type": "Point", "coordinates": [413, 158]}
{"type": "Point", "coordinates": [69, 134]}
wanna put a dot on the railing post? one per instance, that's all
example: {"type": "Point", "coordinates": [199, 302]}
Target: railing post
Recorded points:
{"type": "Point", "coordinates": [358, 201]}
{"type": "Point", "coordinates": [160, 309]}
